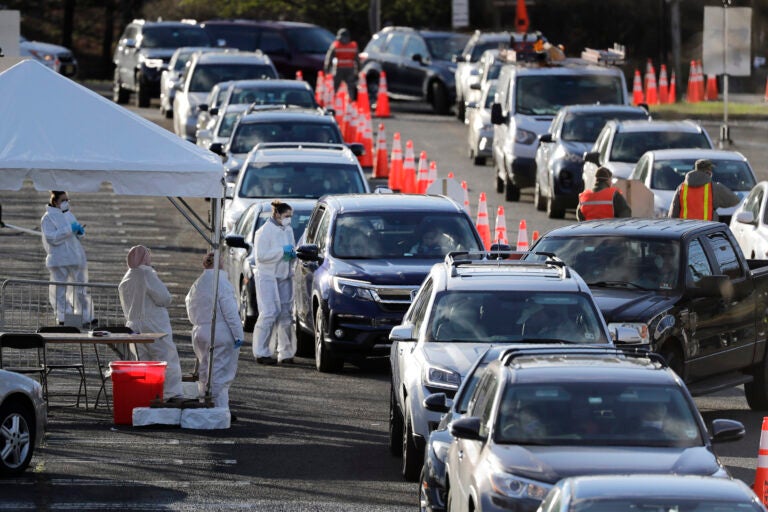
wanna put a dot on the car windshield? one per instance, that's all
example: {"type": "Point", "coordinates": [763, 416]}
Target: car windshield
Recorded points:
{"type": "Point", "coordinates": [734, 174]}
{"type": "Point", "coordinates": [173, 37]}
{"type": "Point", "coordinates": [227, 123]}
{"type": "Point", "coordinates": [630, 146]}
{"type": "Point", "coordinates": [654, 504]}
{"type": "Point", "coordinates": [395, 234]}
{"type": "Point", "coordinates": [247, 135]}
{"type": "Point", "coordinates": [309, 39]}
{"type": "Point", "coordinates": [300, 179]}
{"type": "Point", "coordinates": [274, 96]}
{"type": "Point", "coordinates": [619, 262]}
{"type": "Point", "coordinates": [586, 126]}
{"type": "Point", "coordinates": [514, 315]}
{"type": "Point", "coordinates": [234, 36]}
{"type": "Point", "coordinates": [546, 94]}
{"type": "Point", "coordinates": [181, 60]}
{"type": "Point", "coordinates": [445, 47]}
{"type": "Point", "coordinates": [605, 413]}
{"type": "Point", "coordinates": [207, 75]}
{"type": "Point", "coordinates": [298, 221]}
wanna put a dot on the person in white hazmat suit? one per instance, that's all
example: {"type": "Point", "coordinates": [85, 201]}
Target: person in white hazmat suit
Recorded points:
{"type": "Point", "coordinates": [145, 299]}
{"type": "Point", "coordinates": [274, 248]}
{"type": "Point", "coordinates": [65, 258]}
{"type": "Point", "coordinates": [228, 335]}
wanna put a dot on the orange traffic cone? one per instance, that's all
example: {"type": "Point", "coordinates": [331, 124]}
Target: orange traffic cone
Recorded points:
{"type": "Point", "coordinates": [765, 98]}
{"type": "Point", "coordinates": [500, 236]}
{"type": "Point", "coordinates": [535, 236]}
{"type": "Point", "coordinates": [432, 175]}
{"type": "Point", "coordinates": [409, 169]}
{"type": "Point", "coordinates": [663, 85]}
{"type": "Point", "coordinates": [690, 93]}
{"type": "Point", "coordinates": [672, 89]}
{"type": "Point", "coordinates": [651, 94]}
{"type": "Point", "coordinates": [382, 99]}
{"type": "Point", "coordinates": [359, 124]}
{"type": "Point", "coordinates": [466, 194]}
{"type": "Point", "coordinates": [299, 75]}
{"type": "Point", "coordinates": [380, 169]}
{"type": "Point", "coordinates": [396, 164]}
{"type": "Point", "coordinates": [362, 95]}
{"type": "Point", "coordinates": [760, 487]}
{"type": "Point", "coordinates": [637, 89]}
{"type": "Point", "coordinates": [700, 81]}
{"type": "Point", "coordinates": [329, 89]}
{"type": "Point", "coordinates": [423, 174]}
{"type": "Point", "coordinates": [483, 228]}
{"type": "Point", "coordinates": [366, 159]}
{"type": "Point", "coordinates": [320, 89]}
{"type": "Point", "coordinates": [522, 237]}
{"type": "Point", "coordinates": [339, 109]}
{"type": "Point", "coordinates": [711, 94]}
{"type": "Point", "coordinates": [450, 175]}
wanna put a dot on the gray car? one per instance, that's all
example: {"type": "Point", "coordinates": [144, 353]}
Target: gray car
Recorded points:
{"type": "Point", "coordinates": [23, 417]}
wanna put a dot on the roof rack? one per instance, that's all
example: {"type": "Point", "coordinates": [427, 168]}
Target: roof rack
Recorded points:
{"type": "Point", "coordinates": [297, 145]}
{"type": "Point", "coordinates": [509, 355]}
{"type": "Point", "coordinates": [258, 107]}
{"type": "Point", "coordinates": [499, 258]}
{"type": "Point", "coordinates": [608, 57]}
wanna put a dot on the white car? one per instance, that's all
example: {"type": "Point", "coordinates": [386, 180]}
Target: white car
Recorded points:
{"type": "Point", "coordinates": [169, 78]}
{"type": "Point", "coordinates": [23, 417]}
{"type": "Point", "coordinates": [219, 128]}
{"type": "Point", "coordinates": [661, 171]}
{"type": "Point", "coordinates": [621, 144]}
{"type": "Point", "coordinates": [480, 132]}
{"type": "Point", "coordinates": [750, 223]}
{"type": "Point", "coordinates": [468, 70]}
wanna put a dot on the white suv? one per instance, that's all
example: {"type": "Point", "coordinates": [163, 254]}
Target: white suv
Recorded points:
{"type": "Point", "coordinates": [466, 304]}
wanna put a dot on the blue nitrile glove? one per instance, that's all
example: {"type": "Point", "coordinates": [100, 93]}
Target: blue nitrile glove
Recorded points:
{"type": "Point", "coordinates": [238, 343]}
{"type": "Point", "coordinates": [81, 231]}
{"type": "Point", "coordinates": [288, 252]}
{"type": "Point", "coordinates": [76, 227]}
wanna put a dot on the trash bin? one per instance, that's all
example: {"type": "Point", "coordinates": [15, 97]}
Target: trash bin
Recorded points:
{"type": "Point", "coordinates": [135, 384]}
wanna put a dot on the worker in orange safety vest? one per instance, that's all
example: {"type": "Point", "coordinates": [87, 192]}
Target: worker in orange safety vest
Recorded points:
{"type": "Point", "coordinates": [603, 201]}
{"type": "Point", "coordinates": [698, 197]}
{"type": "Point", "coordinates": [342, 61]}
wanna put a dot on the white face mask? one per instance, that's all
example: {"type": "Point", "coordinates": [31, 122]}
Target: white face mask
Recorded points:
{"type": "Point", "coordinates": [64, 206]}
{"type": "Point", "coordinates": [286, 222]}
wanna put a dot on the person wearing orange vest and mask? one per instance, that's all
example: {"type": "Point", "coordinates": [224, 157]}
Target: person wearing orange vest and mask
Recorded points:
{"type": "Point", "coordinates": [603, 201]}
{"type": "Point", "coordinates": [698, 197]}
{"type": "Point", "coordinates": [342, 61]}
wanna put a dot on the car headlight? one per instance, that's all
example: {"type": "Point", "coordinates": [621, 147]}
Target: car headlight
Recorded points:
{"type": "Point", "coordinates": [640, 327]}
{"type": "Point", "coordinates": [524, 136]}
{"type": "Point", "coordinates": [151, 63]}
{"type": "Point", "coordinates": [437, 377]}
{"type": "Point", "coordinates": [441, 449]}
{"type": "Point", "coordinates": [353, 288]}
{"type": "Point", "coordinates": [513, 486]}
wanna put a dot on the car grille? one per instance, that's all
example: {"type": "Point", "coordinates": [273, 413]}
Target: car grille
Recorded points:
{"type": "Point", "coordinates": [394, 299]}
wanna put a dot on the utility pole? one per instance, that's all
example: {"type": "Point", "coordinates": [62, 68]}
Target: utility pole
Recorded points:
{"type": "Point", "coordinates": [725, 131]}
{"type": "Point", "coordinates": [674, 28]}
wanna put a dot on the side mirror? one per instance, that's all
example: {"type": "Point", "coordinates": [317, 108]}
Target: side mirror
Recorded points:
{"type": "Point", "coordinates": [237, 241]}
{"type": "Point", "coordinates": [545, 137]}
{"type": "Point", "coordinates": [475, 86]}
{"type": "Point", "coordinates": [356, 148]}
{"type": "Point", "coordinates": [217, 147]}
{"type": "Point", "coordinates": [229, 192]}
{"type": "Point", "coordinates": [214, 111]}
{"type": "Point", "coordinates": [496, 115]}
{"type": "Point", "coordinates": [402, 333]}
{"type": "Point", "coordinates": [592, 157]}
{"type": "Point", "coordinates": [203, 107]}
{"type": "Point", "coordinates": [711, 286]}
{"type": "Point", "coordinates": [437, 402]}
{"type": "Point", "coordinates": [626, 336]}
{"type": "Point", "coordinates": [416, 57]}
{"type": "Point", "coordinates": [466, 428]}
{"type": "Point", "coordinates": [724, 431]}
{"type": "Point", "coordinates": [309, 252]}
{"type": "Point", "coordinates": [745, 218]}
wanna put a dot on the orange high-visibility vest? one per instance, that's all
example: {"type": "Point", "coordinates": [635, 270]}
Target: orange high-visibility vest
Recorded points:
{"type": "Point", "coordinates": [345, 54]}
{"type": "Point", "coordinates": [597, 205]}
{"type": "Point", "coordinates": [696, 202]}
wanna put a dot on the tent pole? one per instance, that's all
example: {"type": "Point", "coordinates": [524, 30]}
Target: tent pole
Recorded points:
{"type": "Point", "coordinates": [216, 211]}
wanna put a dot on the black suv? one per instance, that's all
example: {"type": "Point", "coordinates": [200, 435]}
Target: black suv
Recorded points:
{"type": "Point", "coordinates": [419, 65]}
{"type": "Point", "coordinates": [291, 45]}
{"type": "Point", "coordinates": [359, 264]}
{"type": "Point", "coordinates": [143, 52]}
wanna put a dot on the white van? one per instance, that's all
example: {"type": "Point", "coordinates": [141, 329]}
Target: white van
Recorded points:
{"type": "Point", "coordinates": [528, 96]}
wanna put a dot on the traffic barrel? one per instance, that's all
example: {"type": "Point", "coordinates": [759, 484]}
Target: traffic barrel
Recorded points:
{"type": "Point", "coordinates": [423, 173]}
{"type": "Point", "coordinates": [466, 194]}
{"type": "Point", "coordinates": [663, 85]}
{"type": "Point", "coordinates": [380, 164]}
{"type": "Point", "coordinates": [409, 169]}
{"type": "Point", "coordinates": [760, 487]}
{"type": "Point", "coordinates": [382, 98]}
{"type": "Point", "coordinates": [396, 164]}
{"type": "Point", "coordinates": [320, 89]}
{"type": "Point", "coordinates": [500, 231]}
{"type": "Point", "coordinates": [522, 237]}
{"type": "Point", "coordinates": [363, 102]}
{"type": "Point", "coordinates": [637, 89]}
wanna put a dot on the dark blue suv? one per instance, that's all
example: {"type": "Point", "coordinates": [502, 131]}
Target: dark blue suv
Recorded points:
{"type": "Point", "coordinates": [360, 259]}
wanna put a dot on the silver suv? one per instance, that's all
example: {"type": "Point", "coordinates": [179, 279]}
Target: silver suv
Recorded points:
{"type": "Point", "coordinates": [466, 304]}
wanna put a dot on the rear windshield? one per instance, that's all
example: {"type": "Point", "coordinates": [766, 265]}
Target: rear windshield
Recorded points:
{"type": "Point", "coordinates": [630, 146]}
{"type": "Point", "coordinates": [546, 94]}
{"type": "Point", "coordinates": [174, 37]}
{"type": "Point", "coordinates": [445, 47]}
{"type": "Point", "coordinates": [664, 504]}
{"type": "Point", "coordinates": [734, 174]}
{"type": "Point", "coordinates": [250, 134]}
{"type": "Point", "coordinates": [207, 75]}
{"type": "Point", "coordinates": [586, 126]}
{"type": "Point", "coordinates": [301, 179]}
{"type": "Point", "coordinates": [274, 96]}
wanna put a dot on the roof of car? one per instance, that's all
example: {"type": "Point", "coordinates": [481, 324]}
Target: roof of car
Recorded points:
{"type": "Point", "coordinates": [169, 23]}
{"type": "Point", "coordinates": [595, 107]}
{"type": "Point", "coordinates": [271, 83]}
{"type": "Point", "coordinates": [633, 227]}
{"type": "Point", "coordinates": [700, 487]}
{"type": "Point", "coordinates": [225, 57]}
{"type": "Point", "coordinates": [425, 32]}
{"type": "Point", "coordinates": [570, 66]}
{"type": "Point", "coordinates": [263, 23]}
{"type": "Point", "coordinates": [302, 152]}
{"type": "Point", "coordinates": [642, 126]}
{"type": "Point", "coordinates": [491, 36]}
{"type": "Point", "coordinates": [296, 204]}
{"type": "Point", "coordinates": [271, 113]}
{"type": "Point", "coordinates": [711, 154]}
{"type": "Point", "coordinates": [388, 202]}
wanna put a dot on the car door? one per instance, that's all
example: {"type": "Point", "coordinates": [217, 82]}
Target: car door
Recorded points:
{"type": "Point", "coordinates": [414, 66]}
{"type": "Point", "coordinates": [316, 234]}
{"type": "Point", "coordinates": [544, 154]}
{"type": "Point", "coordinates": [235, 257]}
{"type": "Point", "coordinates": [745, 233]}
{"type": "Point", "coordinates": [391, 57]}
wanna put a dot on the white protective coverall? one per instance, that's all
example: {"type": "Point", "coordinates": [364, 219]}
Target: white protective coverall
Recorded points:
{"type": "Point", "coordinates": [274, 291]}
{"type": "Point", "coordinates": [144, 299]}
{"type": "Point", "coordinates": [228, 329]}
{"type": "Point", "coordinates": [66, 262]}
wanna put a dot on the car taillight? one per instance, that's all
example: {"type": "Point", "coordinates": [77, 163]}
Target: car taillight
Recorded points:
{"type": "Point", "coordinates": [362, 57]}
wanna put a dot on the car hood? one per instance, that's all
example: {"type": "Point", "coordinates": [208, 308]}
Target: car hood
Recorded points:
{"type": "Point", "coordinates": [621, 305]}
{"type": "Point", "coordinates": [620, 169]}
{"type": "Point", "coordinates": [383, 272]}
{"type": "Point", "coordinates": [454, 356]}
{"type": "Point", "coordinates": [577, 148]}
{"type": "Point", "coordinates": [551, 463]}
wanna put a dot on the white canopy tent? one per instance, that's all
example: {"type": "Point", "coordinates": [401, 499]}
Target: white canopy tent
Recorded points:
{"type": "Point", "coordinates": [63, 136]}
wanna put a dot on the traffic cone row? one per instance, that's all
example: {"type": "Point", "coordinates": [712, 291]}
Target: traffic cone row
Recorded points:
{"type": "Point", "coordinates": [408, 183]}
{"type": "Point", "coordinates": [695, 91]}
{"type": "Point", "coordinates": [483, 228]}
{"type": "Point", "coordinates": [422, 176]}
{"type": "Point", "coordinates": [362, 95]}
{"type": "Point", "coordinates": [396, 164]}
{"type": "Point", "coordinates": [645, 89]}
{"type": "Point", "coordinates": [380, 163]}
{"type": "Point", "coordinates": [382, 99]}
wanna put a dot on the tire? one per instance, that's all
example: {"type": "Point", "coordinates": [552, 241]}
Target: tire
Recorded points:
{"type": "Point", "coordinates": [248, 321]}
{"type": "Point", "coordinates": [439, 99]}
{"type": "Point", "coordinates": [304, 341]}
{"type": "Point", "coordinates": [554, 209]}
{"type": "Point", "coordinates": [142, 94]}
{"type": "Point", "coordinates": [511, 192]}
{"type": "Point", "coordinates": [412, 459]}
{"type": "Point", "coordinates": [17, 438]}
{"type": "Point", "coordinates": [461, 110]}
{"type": "Point", "coordinates": [756, 392]}
{"type": "Point", "coordinates": [539, 201]}
{"type": "Point", "coordinates": [324, 362]}
{"type": "Point", "coordinates": [395, 426]}
{"type": "Point", "coordinates": [479, 160]}
{"type": "Point", "coordinates": [674, 358]}
{"type": "Point", "coordinates": [119, 94]}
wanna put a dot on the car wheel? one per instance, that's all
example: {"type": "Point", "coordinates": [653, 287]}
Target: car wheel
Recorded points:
{"type": "Point", "coordinates": [539, 201]}
{"type": "Point", "coordinates": [412, 459]}
{"type": "Point", "coordinates": [248, 321]}
{"type": "Point", "coordinates": [395, 426]}
{"type": "Point", "coordinates": [119, 94]}
{"type": "Point", "coordinates": [142, 94]}
{"type": "Point", "coordinates": [511, 191]}
{"type": "Point", "coordinates": [439, 99]}
{"type": "Point", "coordinates": [304, 341]}
{"type": "Point", "coordinates": [17, 438]}
{"type": "Point", "coordinates": [554, 209]}
{"type": "Point", "coordinates": [674, 358]}
{"type": "Point", "coordinates": [324, 361]}
{"type": "Point", "coordinates": [756, 392]}
{"type": "Point", "coordinates": [461, 110]}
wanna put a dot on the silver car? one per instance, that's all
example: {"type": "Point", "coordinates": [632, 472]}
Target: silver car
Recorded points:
{"type": "Point", "coordinates": [480, 132]}
{"type": "Point", "coordinates": [23, 417]}
{"type": "Point", "coordinates": [58, 58]}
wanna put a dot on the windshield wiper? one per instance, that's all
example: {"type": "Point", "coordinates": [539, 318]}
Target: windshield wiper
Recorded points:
{"type": "Point", "coordinates": [618, 284]}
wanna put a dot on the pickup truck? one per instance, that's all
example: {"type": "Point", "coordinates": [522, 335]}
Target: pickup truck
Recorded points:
{"type": "Point", "coordinates": [687, 289]}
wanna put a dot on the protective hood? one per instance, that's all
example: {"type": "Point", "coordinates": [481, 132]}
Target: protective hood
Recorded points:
{"type": "Point", "coordinates": [697, 178]}
{"type": "Point", "coordinates": [389, 272]}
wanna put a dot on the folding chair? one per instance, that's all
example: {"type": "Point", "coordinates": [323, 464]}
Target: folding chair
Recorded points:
{"type": "Point", "coordinates": [58, 359]}
{"type": "Point", "coordinates": [24, 353]}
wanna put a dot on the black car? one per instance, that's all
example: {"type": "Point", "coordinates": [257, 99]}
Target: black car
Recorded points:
{"type": "Point", "coordinates": [559, 157]}
{"type": "Point", "coordinates": [292, 46]}
{"type": "Point", "coordinates": [143, 52]}
{"type": "Point", "coordinates": [419, 65]}
{"type": "Point", "coordinates": [357, 269]}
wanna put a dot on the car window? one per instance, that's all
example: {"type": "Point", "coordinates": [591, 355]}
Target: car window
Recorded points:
{"type": "Point", "coordinates": [586, 126]}
{"type": "Point", "coordinates": [629, 146]}
{"type": "Point", "coordinates": [481, 394]}
{"type": "Point", "coordinates": [487, 406]}
{"type": "Point", "coordinates": [273, 42]}
{"type": "Point", "coordinates": [314, 224]}
{"type": "Point", "coordinates": [173, 37]}
{"type": "Point", "coordinates": [181, 60]}
{"type": "Point", "coordinates": [395, 44]}
{"type": "Point", "coordinates": [298, 221]}
{"type": "Point", "coordinates": [273, 96]}
{"type": "Point", "coordinates": [546, 94]}
{"type": "Point", "coordinates": [375, 44]}
{"type": "Point", "coordinates": [247, 135]}
{"type": "Point", "coordinates": [482, 46]}
{"type": "Point", "coordinates": [490, 95]}
{"type": "Point", "coordinates": [734, 174]}
{"type": "Point", "coordinates": [321, 237]}
{"type": "Point", "coordinates": [602, 144]}
{"type": "Point", "coordinates": [242, 37]}
{"type": "Point", "coordinates": [415, 46]}
{"type": "Point", "coordinates": [753, 202]}
{"type": "Point", "coordinates": [445, 47]}
{"type": "Point", "coordinates": [300, 179]}
{"type": "Point", "coordinates": [419, 310]}
{"type": "Point", "coordinates": [226, 123]}
{"type": "Point", "coordinates": [640, 172]}
{"type": "Point", "coordinates": [205, 76]}
{"type": "Point", "coordinates": [698, 265]}
{"type": "Point", "coordinates": [462, 399]}
{"type": "Point", "coordinates": [725, 254]}
{"type": "Point", "coordinates": [245, 223]}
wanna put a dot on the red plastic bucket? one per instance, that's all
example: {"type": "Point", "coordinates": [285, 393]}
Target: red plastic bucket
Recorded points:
{"type": "Point", "coordinates": [135, 384]}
